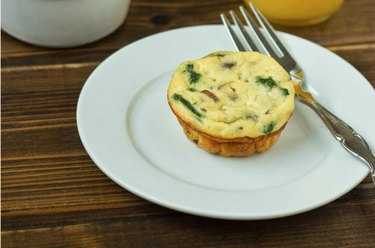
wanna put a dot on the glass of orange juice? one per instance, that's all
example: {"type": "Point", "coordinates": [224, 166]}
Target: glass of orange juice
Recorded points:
{"type": "Point", "coordinates": [297, 12]}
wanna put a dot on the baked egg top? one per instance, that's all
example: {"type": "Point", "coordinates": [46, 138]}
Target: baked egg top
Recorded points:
{"type": "Point", "coordinates": [232, 94]}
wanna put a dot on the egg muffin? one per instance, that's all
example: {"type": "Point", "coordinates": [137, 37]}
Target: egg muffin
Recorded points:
{"type": "Point", "coordinates": [232, 103]}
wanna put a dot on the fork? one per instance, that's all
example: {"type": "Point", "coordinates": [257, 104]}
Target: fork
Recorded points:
{"type": "Point", "coordinates": [263, 39]}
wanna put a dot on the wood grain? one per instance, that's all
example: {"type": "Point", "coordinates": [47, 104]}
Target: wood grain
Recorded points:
{"type": "Point", "coordinates": [53, 195]}
{"type": "Point", "coordinates": [352, 24]}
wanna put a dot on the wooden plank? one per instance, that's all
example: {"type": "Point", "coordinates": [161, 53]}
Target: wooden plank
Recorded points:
{"type": "Point", "coordinates": [149, 17]}
{"type": "Point", "coordinates": [54, 57]}
{"type": "Point", "coordinates": [329, 226]}
{"type": "Point", "coordinates": [361, 56]}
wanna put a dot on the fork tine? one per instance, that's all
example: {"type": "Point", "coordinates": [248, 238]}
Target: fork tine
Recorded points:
{"type": "Point", "coordinates": [232, 33]}
{"type": "Point", "coordinates": [262, 43]}
{"type": "Point", "coordinates": [270, 31]}
{"type": "Point", "coordinates": [246, 35]}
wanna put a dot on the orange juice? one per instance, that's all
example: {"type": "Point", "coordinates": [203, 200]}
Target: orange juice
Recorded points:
{"type": "Point", "coordinates": [297, 12]}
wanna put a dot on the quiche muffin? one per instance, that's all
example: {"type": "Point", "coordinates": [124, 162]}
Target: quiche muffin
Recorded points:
{"type": "Point", "coordinates": [232, 103]}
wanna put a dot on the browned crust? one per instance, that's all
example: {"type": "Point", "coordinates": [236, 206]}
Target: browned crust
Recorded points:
{"type": "Point", "coordinates": [239, 147]}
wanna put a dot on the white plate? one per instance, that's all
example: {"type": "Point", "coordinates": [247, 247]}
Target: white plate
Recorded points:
{"type": "Point", "coordinates": [129, 131]}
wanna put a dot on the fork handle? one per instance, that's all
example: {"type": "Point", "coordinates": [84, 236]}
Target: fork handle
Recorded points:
{"type": "Point", "coordinates": [353, 142]}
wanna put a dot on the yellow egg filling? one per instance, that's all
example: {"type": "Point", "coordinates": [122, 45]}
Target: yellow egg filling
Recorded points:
{"type": "Point", "coordinates": [232, 94]}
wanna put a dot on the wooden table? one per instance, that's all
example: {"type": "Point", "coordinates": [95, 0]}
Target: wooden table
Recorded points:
{"type": "Point", "coordinates": [53, 195]}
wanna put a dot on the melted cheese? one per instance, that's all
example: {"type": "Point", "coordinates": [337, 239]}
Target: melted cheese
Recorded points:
{"type": "Point", "coordinates": [232, 94]}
